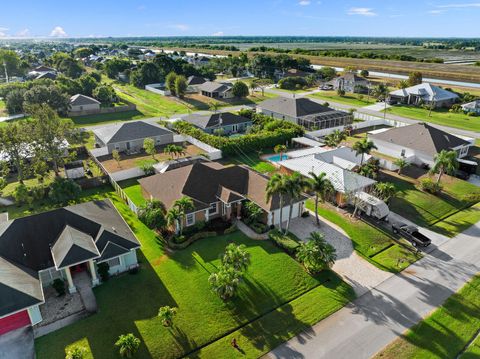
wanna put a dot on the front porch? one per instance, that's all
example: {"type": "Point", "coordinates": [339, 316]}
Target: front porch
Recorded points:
{"type": "Point", "coordinates": [85, 275]}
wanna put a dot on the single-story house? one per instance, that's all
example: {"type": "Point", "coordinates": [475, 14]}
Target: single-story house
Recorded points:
{"type": "Point", "coordinates": [338, 164]}
{"type": "Point", "coordinates": [193, 82]}
{"type": "Point", "coordinates": [229, 122]}
{"type": "Point", "coordinates": [36, 250]}
{"type": "Point", "coordinates": [129, 136]}
{"type": "Point", "coordinates": [79, 103]}
{"type": "Point", "coordinates": [41, 70]}
{"type": "Point", "coordinates": [424, 93]}
{"type": "Point", "coordinates": [217, 192]}
{"type": "Point", "coordinates": [47, 75]}
{"type": "Point", "coordinates": [350, 82]}
{"type": "Point", "coordinates": [292, 73]}
{"type": "Point", "coordinates": [473, 107]}
{"type": "Point", "coordinates": [216, 89]}
{"type": "Point", "coordinates": [418, 143]}
{"type": "Point", "coordinates": [304, 112]}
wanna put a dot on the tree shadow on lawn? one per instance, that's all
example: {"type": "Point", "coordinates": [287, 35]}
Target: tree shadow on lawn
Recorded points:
{"type": "Point", "coordinates": [107, 117]}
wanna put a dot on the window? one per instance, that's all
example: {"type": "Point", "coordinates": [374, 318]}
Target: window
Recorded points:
{"type": "Point", "coordinates": [213, 209]}
{"type": "Point", "coordinates": [403, 153]}
{"type": "Point", "coordinates": [113, 262]}
{"type": "Point", "coordinates": [234, 128]}
{"type": "Point", "coordinates": [190, 219]}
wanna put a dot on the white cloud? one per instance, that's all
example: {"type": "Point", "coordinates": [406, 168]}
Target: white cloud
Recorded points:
{"type": "Point", "coordinates": [23, 33]}
{"type": "Point", "coordinates": [58, 32]}
{"type": "Point", "coordinates": [304, 2]}
{"type": "Point", "coordinates": [458, 6]}
{"type": "Point", "coordinates": [363, 11]}
{"type": "Point", "coordinates": [436, 12]}
{"type": "Point", "coordinates": [218, 33]}
{"type": "Point", "coordinates": [3, 31]}
{"type": "Point", "coordinates": [180, 27]}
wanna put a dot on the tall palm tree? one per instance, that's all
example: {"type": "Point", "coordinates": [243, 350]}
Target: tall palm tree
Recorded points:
{"type": "Point", "coordinates": [225, 282]}
{"type": "Point", "coordinates": [295, 184]}
{"type": "Point", "coordinates": [381, 93]}
{"type": "Point", "coordinates": [276, 186]}
{"type": "Point", "coordinates": [280, 149]}
{"type": "Point", "coordinates": [321, 186]}
{"type": "Point", "coordinates": [213, 106]}
{"type": "Point", "coordinates": [445, 162]}
{"type": "Point", "coordinates": [174, 217]}
{"type": "Point", "coordinates": [401, 163]}
{"type": "Point", "coordinates": [363, 147]}
{"type": "Point", "coordinates": [183, 204]}
{"type": "Point", "coordinates": [128, 345]}
{"type": "Point", "coordinates": [385, 191]}
{"type": "Point", "coordinates": [316, 254]}
{"type": "Point", "coordinates": [166, 315]}
{"type": "Point", "coordinates": [169, 150]}
{"type": "Point", "coordinates": [236, 257]}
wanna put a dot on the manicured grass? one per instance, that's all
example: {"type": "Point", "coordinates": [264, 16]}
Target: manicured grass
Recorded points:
{"type": "Point", "coordinates": [133, 190]}
{"type": "Point", "coordinates": [473, 350]}
{"type": "Point", "coordinates": [426, 209]}
{"type": "Point", "coordinates": [459, 221]}
{"type": "Point", "coordinates": [446, 332]}
{"type": "Point", "coordinates": [92, 120]}
{"type": "Point", "coordinates": [180, 279]}
{"type": "Point", "coordinates": [372, 243]}
{"type": "Point", "coordinates": [439, 116]}
{"type": "Point", "coordinates": [348, 99]}
{"type": "Point", "coordinates": [253, 160]}
{"type": "Point", "coordinates": [30, 182]}
{"type": "Point", "coordinates": [295, 91]}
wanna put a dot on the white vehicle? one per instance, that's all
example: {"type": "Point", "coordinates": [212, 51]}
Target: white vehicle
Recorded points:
{"type": "Point", "coordinates": [372, 206]}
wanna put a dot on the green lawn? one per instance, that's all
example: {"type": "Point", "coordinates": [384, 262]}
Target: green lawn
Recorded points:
{"type": "Point", "coordinates": [277, 300]}
{"type": "Point", "coordinates": [295, 91]}
{"type": "Point", "coordinates": [473, 350]}
{"type": "Point", "coordinates": [253, 160]}
{"type": "Point", "coordinates": [427, 209]}
{"type": "Point", "coordinates": [372, 243]}
{"type": "Point", "coordinates": [91, 120]}
{"type": "Point", "coordinates": [446, 332]}
{"type": "Point", "coordinates": [348, 99]}
{"type": "Point", "coordinates": [439, 116]}
{"type": "Point", "coordinates": [459, 221]}
{"type": "Point", "coordinates": [133, 190]}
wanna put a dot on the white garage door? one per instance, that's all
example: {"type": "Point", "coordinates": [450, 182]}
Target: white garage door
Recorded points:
{"type": "Point", "coordinates": [286, 210]}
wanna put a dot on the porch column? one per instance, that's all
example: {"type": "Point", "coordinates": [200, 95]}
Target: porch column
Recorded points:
{"type": "Point", "coordinates": [93, 273]}
{"type": "Point", "coordinates": [239, 210]}
{"type": "Point", "coordinates": [71, 286]}
{"type": "Point", "coordinates": [206, 215]}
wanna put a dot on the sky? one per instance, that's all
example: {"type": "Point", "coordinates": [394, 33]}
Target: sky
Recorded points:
{"type": "Point", "coordinates": [116, 18]}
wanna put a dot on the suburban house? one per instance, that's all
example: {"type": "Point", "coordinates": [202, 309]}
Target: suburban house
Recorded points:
{"type": "Point", "coordinates": [338, 164]}
{"type": "Point", "coordinates": [80, 103]}
{"type": "Point", "coordinates": [216, 89]}
{"type": "Point", "coordinates": [193, 82]}
{"type": "Point", "coordinates": [350, 82]}
{"type": "Point", "coordinates": [47, 75]}
{"type": "Point", "coordinates": [304, 112]}
{"type": "Point", "coordinates": [279, 74]}
{"type": "Point", "coordinates": [424, 93]}
{"type": "Point", "coordinates": [472, 107]}
{"type": "Point", "coordinates": [227, 121]}
{"type": "Point", "coordinates": [36, 250]}
{"type": "Point", "coordinates": [129, 136]}
{"type": "Point", "coordinates": [217, 192]}
{"type": "Point", "coordinates": [41, 70]}
{"type": "Point", "coordinates": [418, 143]}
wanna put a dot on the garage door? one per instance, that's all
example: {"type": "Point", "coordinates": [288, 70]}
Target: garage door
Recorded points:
{"type": "Point", "coordinates": [14, 321]}
{"type": "Point", "coordinates": [286, 210]}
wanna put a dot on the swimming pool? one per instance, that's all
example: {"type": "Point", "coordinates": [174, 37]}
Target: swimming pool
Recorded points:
{"type": "Point", "coordinates": [276, 158]}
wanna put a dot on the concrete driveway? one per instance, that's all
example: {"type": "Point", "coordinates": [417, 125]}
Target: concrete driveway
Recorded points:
{"type": "Point", "coordinates": [17, 344]}
{"type": "Point", "coordinates": [355, 270]}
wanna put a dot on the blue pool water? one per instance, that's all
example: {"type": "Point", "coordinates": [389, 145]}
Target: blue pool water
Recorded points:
{"type": "Point", "coordinates": [276, 158]}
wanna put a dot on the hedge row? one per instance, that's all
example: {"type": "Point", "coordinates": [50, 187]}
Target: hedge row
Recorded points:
{"type": "Point", "coordinates": [288, 242]}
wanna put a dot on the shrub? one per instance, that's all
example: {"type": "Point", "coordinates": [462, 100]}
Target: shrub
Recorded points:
{"type": "Point", "coordinates": [76, 352]}
{"type": "Point", "coordinates": [292, 83]}
{"type": "Point", "coordinates": [152, 214]}
{"type": "Point", "coordinates": [231, 229]}
{"type": "Point", "coordinates": [201, 235]}
{"type": "Point", "coordinates": [63, 190]}
{"type": "Point", "coordinates": [259, 227]}
{"type": "Point", "coordinates": [240, 89]}
{"type": "Point", "coordinates": [59, 285]}
{"type": "Point", "coordinates": [128, 345]}
{"type": "Point", "coordinates": [289, 243]}
{"type": "Point", "coordinates": [20, 194]}
{"type": "Point", "coordinates": [148, 169]}
{"type": "Point", "coordinates": [103, 269]}
{"type": "Point", "coordinates": [430, 186]}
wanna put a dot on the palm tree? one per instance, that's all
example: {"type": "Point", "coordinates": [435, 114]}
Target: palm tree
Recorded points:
{"type": "Point", "coordinates": [385, 191]}
{"type": "Point", "coordinates": [236, 257]}
{"type": "Point", "coordinates": [381, 93]}
{"type": "Point", "coordinates": [128, 345]}
{"type": "Point", "coordinates": [178, 150]}
{"type": "Point", "coordinates": [445, 162]}
{"type": "Point", "coordinates": [166, 315]}
{"type": "Point", "coordinates": [339, 136]}
{"type": "Point", "coordinates": [174, 216]}
{"type": "Point", "coordinates": [316, 254]}
{"type": "Point", "coordinates": [401, 163]}
{"type": "Point", "coordinates": [225, 282]}
{"type": "Point", "coordinates": [330, 140]}
{"type": "Point", "coordinates": [295, 184]}
{"type": "Point", "coordinates": [280, 149]}
{"type": "Point", "coordinates": [183, 205]}
{"type": "Point", "coordinates": [169, 150]}
{"type": "Point", "coordinates": [276, 186]}
{"type": "Point", "coordinates": [321, 186]}
{"type": "Point", "coordinates": [213, 106]}
{"type": "Point", "coordinates": [363, 147]}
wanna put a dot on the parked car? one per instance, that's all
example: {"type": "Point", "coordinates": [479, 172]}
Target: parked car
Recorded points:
{"type": "Point", "coordinates": [462, 175]}
{"type": "Point", "coordinates": [411, 234]}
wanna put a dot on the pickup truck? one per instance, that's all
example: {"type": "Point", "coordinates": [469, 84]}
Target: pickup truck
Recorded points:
{"type": "Point", "coordinates": [411, 234]}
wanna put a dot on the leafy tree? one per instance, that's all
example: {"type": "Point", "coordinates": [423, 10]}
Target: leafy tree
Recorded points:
{"type": "Point", "coordinates": [83, 52]}
{"type": "Point", "coordinates": [116, 156]}
{"type": "Point", "coordinates": [240, 89]}
{"type": "Point", "coordinates": [236, 257]}
{"type": "Point", "coordinates": [253, 212]}
{"type": "Point", "coordinates": [113, 66]}
{"type": "Point", "coordinates": [225, 282]}
{"type": "Point", "coordinates": [12, 63]}
{"type": "Point", "coordinates": [46, 95]}
{"type": "Point", "coordinates": [364, 73]}
{"type": "Point", "coordinates": [76, 352]}
{"type": "Point", "coordinates": [166, 315]}
{"type": "Point", "coordinates": [276, 186]}
{"type": "Point", "coordinates": [381, 93]}
{"type": "Point", "coordinates": [445, 162]}
{"type": "Point", "coordinates": [401, 163]}
{"type": "Point", "coordinates": [322, 187]}
{"type": "Point", "coordinates": [149, 147]}
{"type": "Point", "coordinates": [170, 82]}
{"type": "Point", "coordinates": [146, 73]}
{"type": "Point", "coordinates": [180, 86]}
{"type": "Point", "coordinates": [50, 133]}
{"type": "Point", "coordinates": [403, 84]}
{"type": "Point", "coordinates": [295, 184]}
{"type": "Point", "coordinates": [128, 345]}
{"type": "Point", "coordinates": [68, 85]}
{"type": "Point", "coordinates": [14, 101]}
{"type": "Point", "coordinates": [385, 191]}
{"type": "Point", "coordinates": [21, 194]}
{"type": "Point", "coordinates": [317, 254]}
{"type": "Point", "coordinates": [152, 214]}
{"type": "Point", "coordinates": [262, 84]}
{"type": "Point", "coordinates": [63, 190]}
{"type": "Point", "coordinates": [3, 184]}
{"type": "Point", "coordinates": [327, 73]}
{"type": "Point", "coordinates": [415, 78]}
{"type": "Point", "coordinates": [105, 94]}
{"type": "Point", "coordinates": [363, 147]}
{"type": "Point", "coordinates": [69, 67]}
{"type": "Point", "coordinates": [13, 142]}
{"type": "Point", "coordinates": [88, 84]}
{"type": "Point", "coordinates": [280, 149]}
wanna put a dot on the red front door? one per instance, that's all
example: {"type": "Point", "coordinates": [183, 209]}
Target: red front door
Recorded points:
{"type": "Point", "coordinates": [14, 321]}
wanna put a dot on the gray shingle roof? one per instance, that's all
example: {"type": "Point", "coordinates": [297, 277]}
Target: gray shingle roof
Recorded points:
{"type": "Point", "coordinates": [427, 92]}
{"type": "Point", "coordinates": [195, 80]}
{"type": "Point", "coordinates": [212, 120]}
{"type": "Point", "coordinates": [294, 107]}
{"type": "Point", "coordinates": [82, 100]}
{"type": "Point", "coordinates": [129, 131]}
{"type": "Point", "coordinates": [212, 86]}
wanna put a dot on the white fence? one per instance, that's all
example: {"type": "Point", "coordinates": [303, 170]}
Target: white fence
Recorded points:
{"type": "Point", "coordinates": [213, 153]}
{"type": "Point", "coordinates": [387, 164]}
{"type": "Point", "coordinates": [158, 89]}
{"type": "Point", "coordinates": [127, 174]}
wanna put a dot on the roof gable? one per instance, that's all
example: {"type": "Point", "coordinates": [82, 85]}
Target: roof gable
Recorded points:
{"type": "Point", "coordinates": [129, 131]}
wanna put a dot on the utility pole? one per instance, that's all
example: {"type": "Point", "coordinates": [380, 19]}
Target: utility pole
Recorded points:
{"type": "Point", "coordinates": [6, 72]}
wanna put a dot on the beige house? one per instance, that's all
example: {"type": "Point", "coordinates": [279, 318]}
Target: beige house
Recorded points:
{"type": "Point", "coordinates": [82, 103]}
